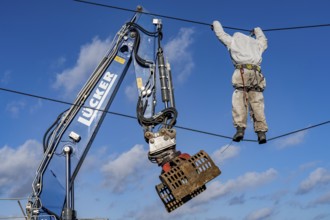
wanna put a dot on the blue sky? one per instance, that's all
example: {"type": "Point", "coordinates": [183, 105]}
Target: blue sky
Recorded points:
{"type": "Point", "coordinates": [49, 48]}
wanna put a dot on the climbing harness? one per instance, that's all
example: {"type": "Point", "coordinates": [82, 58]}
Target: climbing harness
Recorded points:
{"type": "Point", "coordinates": [248, 66]}
{"type": "Point", "coordinates": [244, 87]}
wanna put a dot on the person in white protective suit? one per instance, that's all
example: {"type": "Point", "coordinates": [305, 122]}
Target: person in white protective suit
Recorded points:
{"type": "Point", "coordinates": [247, 79]}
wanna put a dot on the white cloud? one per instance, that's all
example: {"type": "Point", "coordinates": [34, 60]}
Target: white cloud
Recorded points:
{"type": "Point", "coordinates": [18, 166]}
{"type": "Point", "coordinates": [322, 200]}
{"type": "Point", "coordinates": [94, 160]}
{"type": "Point", "coordinates": [179, 55]}
{"type": "Point", "coordinates": [308, 165]}
{"type": "Point", "coordinates": [126, 168]}
{"type": "Point", "coordinates": [36, 106]}
{"type": "Point", "coordinates": [276, 196]}
{"type": "Point", "coordinates": [237, 200]}
{"type": "Point", "coordinates": [154, 211]}
{"type": "Point", "coordinates": [225, 153]}
{"type": "Point", "coordinates": [6, 76]}
{"type": "Point", "coordinates": [131, 92]}
{"type": "Point", "coordinates": [150, 212]}
{"type": "Point", "coordinates": [322, 216]}
{"type": "Point", "coordinates": [264, 213]}
{"type": "Point", "coordinates": [292, 140]}
{"type": "Point", "coordinates": [59, 62]}
{"type": "Point", "coordinates": [317, 178]}
{"type": "Point", "coordinates": [176, 50]}
{"type": "Point", "coordinates": [249, 180]}
{"type": "Point", "coordinates": [216, 189]}
{"type": "Point", "coordinates": [15, 107]}
{"type": "Point", "coordinates": [89, 57]}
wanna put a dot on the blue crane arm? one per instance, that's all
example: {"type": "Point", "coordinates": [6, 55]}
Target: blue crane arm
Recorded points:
{"type": "Point", "coordinates": [78, 126]}
{"type": "Point", "coordinates": [69, 139]}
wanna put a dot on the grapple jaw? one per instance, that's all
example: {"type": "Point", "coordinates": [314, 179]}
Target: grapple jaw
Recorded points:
{"type": "Point", "coordinates": [184, 178]}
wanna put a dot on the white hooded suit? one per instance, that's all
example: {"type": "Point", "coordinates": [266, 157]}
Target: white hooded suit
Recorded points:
{"type": "Point", "coordinates": [247, 79]}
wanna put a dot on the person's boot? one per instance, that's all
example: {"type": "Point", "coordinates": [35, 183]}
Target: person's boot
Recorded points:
{"type": "Point", "coordinates": [239, 134]}
{"type": "Point", "coordinates": [261, 137]}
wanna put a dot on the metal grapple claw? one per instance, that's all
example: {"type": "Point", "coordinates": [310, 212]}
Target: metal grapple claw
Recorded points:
{"type": "Point", "coordinates": [171, 203]}
{"type": "Point", "coordinates": [185, 179]}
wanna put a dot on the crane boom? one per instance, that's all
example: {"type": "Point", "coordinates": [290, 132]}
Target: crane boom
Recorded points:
{"type": "Point", "coordinates": [67, 142]}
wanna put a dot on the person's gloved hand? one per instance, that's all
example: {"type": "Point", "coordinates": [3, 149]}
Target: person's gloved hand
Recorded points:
{"type": "Point", "coordinates": [252, 34]}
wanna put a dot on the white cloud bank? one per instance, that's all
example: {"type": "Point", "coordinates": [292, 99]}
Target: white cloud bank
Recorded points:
{"type": "Point", "coordinates": [261, 214]}
{"type": "Point", "coordinates": [126, 168]}
{"type": "Point", "coordinates": [178, 53]}
{"type": "Point", "coordinates": [215, 190]}
{"type": "Point", "coordinates": [324, 199]}
{"type": "Point", "coordinates": [131, 92]}
{"type": "Point", "coordinates": [224, 153]}
{"type": "Point", "coordinates": [89, 57]}
{"type": "Point", "coordinates": [249, 180]}
{"type": "Point", "coordinates": [5, 77]}
{"type": "Point", "coordinates": [18, 167]}
{"type": "Point", "coordinates": [292, 140]}
{"type": "Point", "coordinates": [14, 108]}
{"type": "Point", "coordinates": [319, 177]}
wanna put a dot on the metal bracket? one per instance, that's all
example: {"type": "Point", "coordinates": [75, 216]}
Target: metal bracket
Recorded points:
{"type": "Point", "coordinates": [162, 140]}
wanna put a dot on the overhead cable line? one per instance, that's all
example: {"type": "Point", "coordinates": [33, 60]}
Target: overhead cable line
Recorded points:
{"type": "Point", "coordinates": [157, 15]}
{"type": "Point", "coordinates": [15, 199]}
{"type": "Point", "coordinates": [109, 112]}
{"type": "Point", "coordinates": [17, 217]}
{"type": "Point", "coordinates": [180, 127]}
{"type": "Point", "coordinates": [200, 22]}
{"type": "Point", "coordinates": [299, 130]}
{"type": "Point", "coordinates": [59, 101]}
{"type": "Point", "coordinates": [297, 27]}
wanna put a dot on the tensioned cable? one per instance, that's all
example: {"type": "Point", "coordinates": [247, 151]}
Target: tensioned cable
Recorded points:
{"type": "Point", "coordinates": [59, 101]}
{"type": "Point", "coordinates": [297, 27]}
{"type": "Point", "coordinates": [109, 112]}
{"type": "Point", "coordinates": [299, 130]}
{"type": "Point", "coordinates": [153, 14]}
{"type": "Point", "coordinates": [15, 199]}
{"type": "Point", "coordinates": [18, 217]}
{"type": "Point", "coordinates": [200, 22]}
{"type": "Point", "coordinates": [180, 127]}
